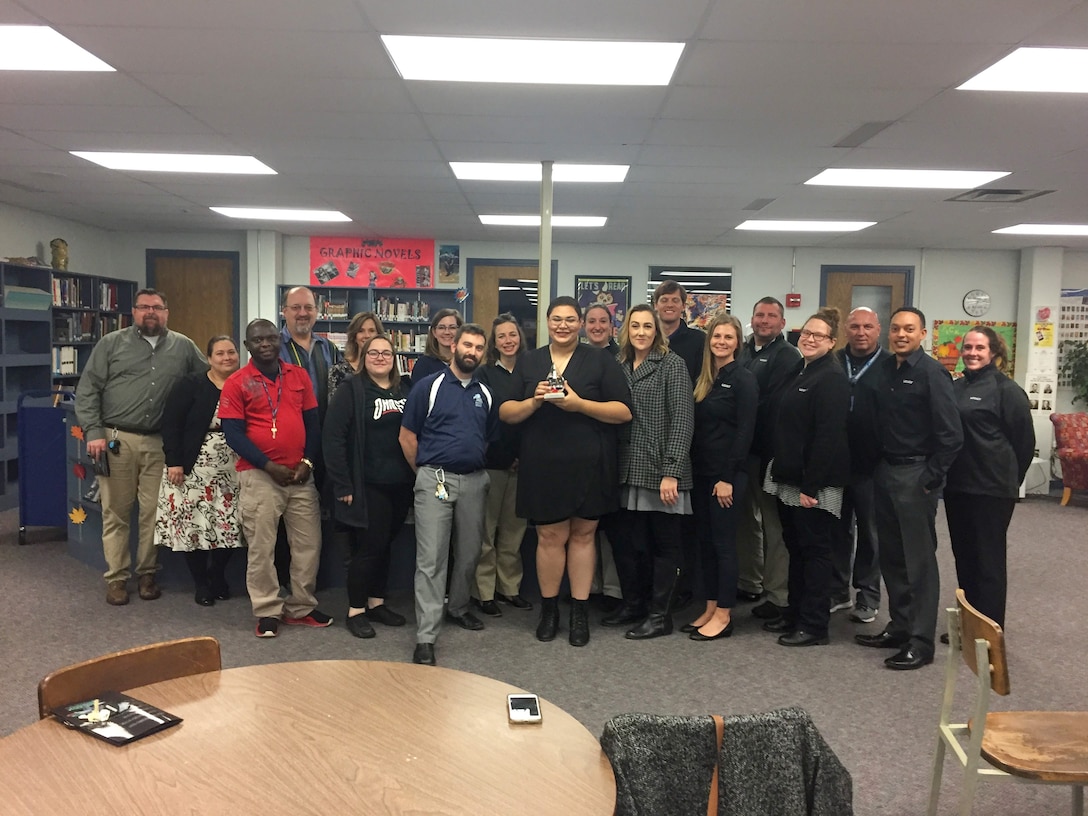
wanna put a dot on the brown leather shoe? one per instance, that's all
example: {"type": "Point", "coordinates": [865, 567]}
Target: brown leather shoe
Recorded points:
{"type": "Point", "coordinates": [116, 593]}
{"type": "Point", "coordinates": [149, 590]}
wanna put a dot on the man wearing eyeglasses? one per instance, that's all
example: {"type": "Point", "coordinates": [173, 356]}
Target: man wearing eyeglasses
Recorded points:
{"type": "Point", "coordinates": [119, 403]}
{"type": "Point", "coordinates": [300, 346]}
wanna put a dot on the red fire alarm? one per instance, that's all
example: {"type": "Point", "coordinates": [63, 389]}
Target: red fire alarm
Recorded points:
{"type": "Point", "coordinates": [793, 300]}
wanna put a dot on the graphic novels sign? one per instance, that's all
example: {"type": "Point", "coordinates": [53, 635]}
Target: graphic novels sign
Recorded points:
{"type": "Point", "coordinates": [397, 263]}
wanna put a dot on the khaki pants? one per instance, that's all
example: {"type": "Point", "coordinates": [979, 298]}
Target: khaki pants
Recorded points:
{"type": "Point", "coordinates": [263, 503]}
{"type": "Point", "coordinates": [499, 568]}
{"type": "Point", "coordinates": [761, 551]}
{"type": "Point", "coordinates": [135, 475]}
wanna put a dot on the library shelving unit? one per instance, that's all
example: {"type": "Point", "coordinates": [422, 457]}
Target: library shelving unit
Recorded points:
{"type": "Point", "coordinates": [405, 314]}
{"type": "Point", "coordinates": [24, 359]}
{"type": "Point", "coordinates": [85, 307]}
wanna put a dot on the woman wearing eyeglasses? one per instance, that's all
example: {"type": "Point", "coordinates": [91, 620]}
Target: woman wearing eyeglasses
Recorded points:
{"type": "Point", "coordinates": [368, 479]}
{"type": "Point", "coordinates": [809, 466]}
{"type": "Point", "coordinates": [440, 341]}
{"type": "Point", "coordinates": [567, 477]}
{"type": "Point", "coordinates": [361, 328]}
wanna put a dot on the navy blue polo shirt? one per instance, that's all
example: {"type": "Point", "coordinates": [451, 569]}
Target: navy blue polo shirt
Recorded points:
{"type": "Point", "coordinates": [453, 422]}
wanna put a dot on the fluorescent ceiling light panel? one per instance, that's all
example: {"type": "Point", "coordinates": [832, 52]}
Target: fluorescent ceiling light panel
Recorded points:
{"type": "Point", "coordinates": [177, 162]}
{"type": "Point", "coordinates": [1044, 229]}
{"type": "Point", "coordinates": [805, 226]}
{"type": "Point", "coordinates": [40, 48]}
{"type": "Point", "coordinates": [1037, 70]}
{"type": "Point", "coordinates": [534, 220]}
{"type": "Point", "coordinates": [538, 62]}
{"type": "Point", "coordinates": [922, 179]}
{"type": "Point", "coordinates": [274, 214]}
{"type": "Point", "coordinates": [528, 171]}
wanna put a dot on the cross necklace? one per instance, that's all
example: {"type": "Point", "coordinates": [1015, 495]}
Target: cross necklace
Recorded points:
{"type": "Point", "coordinates": [275, 409]}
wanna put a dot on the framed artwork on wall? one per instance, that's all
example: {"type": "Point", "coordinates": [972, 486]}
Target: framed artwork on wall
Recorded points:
{"type": "Point", "coordinates": [611, 292]}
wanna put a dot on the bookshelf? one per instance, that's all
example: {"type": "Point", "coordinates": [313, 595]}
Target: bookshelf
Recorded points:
{"type": "Point", "coordinates": [405, 314]}
{"type": "Point", "coordinates": [24, 359]}
{"type": "Point", "coordinates": [85, 307]}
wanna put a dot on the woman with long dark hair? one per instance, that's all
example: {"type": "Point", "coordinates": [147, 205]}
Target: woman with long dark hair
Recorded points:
{"type": "Point", "coordinates": [984, 480]}
{"type": "Point", "coordinates": [570, 397]}
{"type": "Point", "coordinates": [361, 328]}
{"type": "Point", "coordinates": [368, 479]}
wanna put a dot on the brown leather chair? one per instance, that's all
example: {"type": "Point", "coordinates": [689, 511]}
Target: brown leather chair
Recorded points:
{"type": "Point", "coordinates": [1049, 747]}
{"type": "Point", "coordinates": [128, 669]}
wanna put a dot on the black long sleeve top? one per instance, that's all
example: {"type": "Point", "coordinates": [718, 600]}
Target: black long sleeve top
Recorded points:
{"type": "Point", "coordinates": [810, 442]}
{"type": "Point", "coordinates": [725, 420]}
{"type": "Point", "coordinates": [998, 435]}
{"type": "Point", "coordinates": [918, 416]}
{"type": "Point", "coordinates": [774, 365]}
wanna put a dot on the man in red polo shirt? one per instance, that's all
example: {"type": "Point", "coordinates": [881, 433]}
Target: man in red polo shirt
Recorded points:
{"type": "Point", "coordinates": [269, 416]}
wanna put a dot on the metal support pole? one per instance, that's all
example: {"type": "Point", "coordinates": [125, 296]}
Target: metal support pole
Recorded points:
{"type": "Point", "coordinates": [544, 270]}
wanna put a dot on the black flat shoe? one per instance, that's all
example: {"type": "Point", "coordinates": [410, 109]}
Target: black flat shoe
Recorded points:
{"type": "Point", "coordinates": [359, 626]}
{"type": "Point", "coordinates": [724, 633]}
{"type": "Point", "coordinates": [883, 640]}
{"type": "Point", "coordinates": [489, 608]}
{"type": "Point", "coordinates": [466, 621]}
{"type": "Point", "coordinates": [204, 597]}
{"type": "Point", "coordinates": [515, 601]}
{"type": "Point", "coordinates": [384, 615]}
{"type": "Point", "coordinates": [908, 659]}
{"type": "Point", "coordinates": [802, 638]}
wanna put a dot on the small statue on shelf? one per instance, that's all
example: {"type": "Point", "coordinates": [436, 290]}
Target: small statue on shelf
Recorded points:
{"type": "Point", "coordinates": [60, 254]}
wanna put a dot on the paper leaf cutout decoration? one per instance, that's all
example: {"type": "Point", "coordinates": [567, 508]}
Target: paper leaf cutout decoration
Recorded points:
{"type": "Point", "coordinates": [78, 515]}
{"type": "Point", "coordinates": [80, 470]}
{"type": "Point", "coordinates": [77, 431]}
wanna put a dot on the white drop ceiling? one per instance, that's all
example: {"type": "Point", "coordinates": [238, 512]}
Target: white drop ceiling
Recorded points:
{"type": "Point", "coordinates": [764, 90]}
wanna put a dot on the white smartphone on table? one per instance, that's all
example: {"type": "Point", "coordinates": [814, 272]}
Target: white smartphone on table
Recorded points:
{"type": "Point", "coordinates": [523, 708]}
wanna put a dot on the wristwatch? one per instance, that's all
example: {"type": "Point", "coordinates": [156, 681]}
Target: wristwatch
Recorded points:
{"type": "Point", "coordinates": [307, 462]}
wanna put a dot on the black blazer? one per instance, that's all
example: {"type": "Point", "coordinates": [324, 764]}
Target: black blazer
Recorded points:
{"type": "Point", "coordinates": [185, 419]}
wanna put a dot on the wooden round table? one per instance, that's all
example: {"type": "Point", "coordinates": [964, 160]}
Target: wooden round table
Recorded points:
{"type": "Point", "coordinates": [318, 737]}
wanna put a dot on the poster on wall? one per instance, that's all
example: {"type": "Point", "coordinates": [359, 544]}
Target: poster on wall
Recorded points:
{"type": "Point", "coordinates": [948, 337]}
{"type": "Point", "coordinates": [1072, 324]}
{"type": "Point", "coordinates": [394, 263]}
{"type": "Point", "coordinates": [449, 265]}
{"type": "Point", "coordinates": [612, 293]}
{"type": "Point", "coordinates": [702, 308]}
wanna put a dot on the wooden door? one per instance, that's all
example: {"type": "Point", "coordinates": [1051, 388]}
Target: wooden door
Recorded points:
{"type": "Point", "coordinates": [881, 289]}
{"type": "Point", "coordinates": [202, 292]}
{"type": "Point", "coordinates": [496, 289]}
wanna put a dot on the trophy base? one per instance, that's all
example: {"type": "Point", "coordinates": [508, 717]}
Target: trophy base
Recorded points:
{"type": "Point", "coordinates": [555, 395]}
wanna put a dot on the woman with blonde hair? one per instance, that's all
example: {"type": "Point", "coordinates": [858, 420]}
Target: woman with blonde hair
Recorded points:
{"type": "Point", "coordinates": [361, 328]}
{"type": "Point", "coordinates": [655, 475]}
{"type": "Point", "coordinates": [726, 400]}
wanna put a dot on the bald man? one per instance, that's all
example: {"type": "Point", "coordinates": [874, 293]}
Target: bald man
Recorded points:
{"type": "Point", "coordinates": [854, 554]}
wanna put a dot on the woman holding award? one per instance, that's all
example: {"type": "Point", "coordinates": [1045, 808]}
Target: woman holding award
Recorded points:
{"type": "Point", "coordinates": [570, 397]}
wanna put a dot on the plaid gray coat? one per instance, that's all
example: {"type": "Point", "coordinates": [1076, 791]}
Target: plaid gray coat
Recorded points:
{"type": "Point", "coordinates": [657, 442]}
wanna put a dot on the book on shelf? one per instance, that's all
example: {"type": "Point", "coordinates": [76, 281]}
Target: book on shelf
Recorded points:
{"type": "Point", "coordinates": [27, 297]}
{"type": "Point", "coordinates": [64, 360]}
{"type": "Point", "coordinates": [107, 297]}
{"type": "Point", "coordinates": [402, 309]}
{"type": "Point", "coordinates": [116, 718]}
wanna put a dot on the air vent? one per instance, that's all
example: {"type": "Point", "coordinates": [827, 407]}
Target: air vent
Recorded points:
{"type": "Point", "coordinates": [998, 196]}
{"type": "Point", "coordinates": [759, 204]}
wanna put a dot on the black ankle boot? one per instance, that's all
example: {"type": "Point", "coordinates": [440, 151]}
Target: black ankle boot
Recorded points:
{"type": "Point", "coordinates": [579, 622]}
{"type": "Point", "coordinates": [548, 627]}
{"type": "Point", "coordinates": [654, 625]}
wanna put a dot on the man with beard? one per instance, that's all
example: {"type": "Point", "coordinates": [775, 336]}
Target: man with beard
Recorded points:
{"type": "Point", "coordinates": [448, 420]}
{"type": "Point", "coordinates": [300, 346]}
{"type": "Point", "coordinates": [269, 416]}
{"type": "Point", "coordinates": [119, 405]}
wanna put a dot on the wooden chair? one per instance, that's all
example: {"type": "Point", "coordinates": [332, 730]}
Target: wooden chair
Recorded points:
{"type": "Point", "coordinates": [127, 669]}
{"type": "Point", "coordinates": [1049, 747]}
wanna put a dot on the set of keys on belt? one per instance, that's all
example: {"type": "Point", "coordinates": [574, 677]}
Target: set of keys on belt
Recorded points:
{"type": "Point", "coordinates": [440, 491]}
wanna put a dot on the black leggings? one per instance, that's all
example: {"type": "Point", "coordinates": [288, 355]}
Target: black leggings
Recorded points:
{"type": "Point", "coordinates": [368, 570]}
{"type": "Point", "coordinates": [717, 529]}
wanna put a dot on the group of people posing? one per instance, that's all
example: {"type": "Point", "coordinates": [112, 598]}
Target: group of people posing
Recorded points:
{"type": "Point", "coordinates": [681, 461]}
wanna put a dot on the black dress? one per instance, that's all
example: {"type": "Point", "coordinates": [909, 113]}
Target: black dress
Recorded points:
{"type": "Point", "coordinates": [569, 461]}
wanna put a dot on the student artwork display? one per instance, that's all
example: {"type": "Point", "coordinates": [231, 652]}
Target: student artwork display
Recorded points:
{"type": "Point", "coordinates": [385, 263]}
{"type": "Point", "coordinates": [948, 336]}
{"type": "Point", "coordinates": [449, 265]}
{"type": "Point", "coordinates": [612, 293]}
{"type": "Point", "coordinates": [701, 309]}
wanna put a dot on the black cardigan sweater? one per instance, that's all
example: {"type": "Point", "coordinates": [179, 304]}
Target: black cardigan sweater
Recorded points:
{"type": "Point", "coordinates": [185, 419]}
{"type": "Point", "coordinates": [810, 444]}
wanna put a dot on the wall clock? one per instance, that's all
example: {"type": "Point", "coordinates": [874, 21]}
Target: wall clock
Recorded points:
{"type": "Point", "coordinates": [976, 302]}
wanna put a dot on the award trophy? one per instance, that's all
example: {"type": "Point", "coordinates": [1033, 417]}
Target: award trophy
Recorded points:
{"type": "Point", "coordinates": [556, 385]}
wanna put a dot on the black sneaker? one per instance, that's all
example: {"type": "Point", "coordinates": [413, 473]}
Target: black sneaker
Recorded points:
{"type": "Point", "coordinates": [384, 615]}
{"type": "Point", "coordinates": [359, 626]}
{"type": "Point", "coordinates": [267, 627]}
{"type": "Point", "coordinates": [316, 619]}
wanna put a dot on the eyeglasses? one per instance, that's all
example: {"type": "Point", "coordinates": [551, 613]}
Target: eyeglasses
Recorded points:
{"type": "Point", "coordinates": [560, 321]}
{"type": "Point", "coordinates": [302, 308]}
{"type": "Point", "coordinates": [374, 354]}
{"type": "Point", "coordinates": [143, 307]}
{"type": "Point", "coordinates": [806, 335]}
{"type": "Point", "coordinates": [452, 327]}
